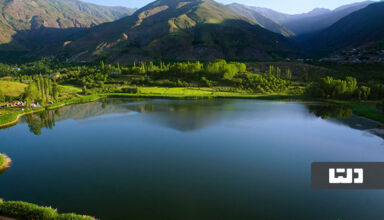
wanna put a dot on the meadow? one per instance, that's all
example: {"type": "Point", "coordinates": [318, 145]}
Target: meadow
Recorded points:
{"type": "Point", "coordinates": [12, 88]}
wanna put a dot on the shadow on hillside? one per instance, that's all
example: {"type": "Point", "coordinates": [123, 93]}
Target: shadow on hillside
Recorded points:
{"type": "Point", "coordinates": [30, 45]}
{"type": "Point", "coordinates": [231, 39]}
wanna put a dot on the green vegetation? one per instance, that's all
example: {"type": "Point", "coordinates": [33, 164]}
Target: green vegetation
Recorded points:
{"type": "Point", "coordinates": [11, 88]}
{"type": "Point", "coordinates": [42, 90]}
{"type": "Point", "coordinates": [367, 110]}
{"type": "Point", "coordinates": [2, 160]}
{"type": "Point", "coordinates": [54, 84]}
{"type": "Point", "coordinates": [28, 211]}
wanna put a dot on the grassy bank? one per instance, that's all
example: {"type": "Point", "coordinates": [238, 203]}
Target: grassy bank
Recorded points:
{"type": "Point", "coordinates": [10, 118]}
{"type": "Point", "coordinates": [2, 160]}
{"type": "Point", "coordinates": [5, 162]}
{"type": "Point", "coordinates": [362, 109]}
{"type": "Point", "coordinates": [28, 211]}
{"type": "Point", "coordinates": [358, 108]}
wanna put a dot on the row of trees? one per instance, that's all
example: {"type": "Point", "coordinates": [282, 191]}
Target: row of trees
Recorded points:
{"type": "Point", "coordinates": [42, 90]}
{"type": "Point", "coordinates": [218, 70]}
{"type": "Point", "coordinates": [276, 71]}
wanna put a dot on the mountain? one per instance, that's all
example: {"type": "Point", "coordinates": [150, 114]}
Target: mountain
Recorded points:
{"type": "Point", "coordinates": [29, 15]}
{"type": "Point", "coordinates": [180, 30]}
{"type": "Point", "coordinates": [281, 18]}
{"type": "Point", "coordinates": [312, 21]}
{"type": "Point", "coordinates": [363, 27]}
{"type": "Point", "coordinates": [260, 19]}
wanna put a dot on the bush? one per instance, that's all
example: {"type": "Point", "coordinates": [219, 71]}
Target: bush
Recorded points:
{"type": "Point", "coordinates": [263, 83]}
{"type": "Point", "coordinates": [338, 89]}
{"type": "Point", "coordinates": [25, 210]}
{"type": "Point", "coordinates": [132, 90]}
{"type": "Point", "coordinates": [73, 217]}
{"type": "Point", "coordinates": [28, 211]}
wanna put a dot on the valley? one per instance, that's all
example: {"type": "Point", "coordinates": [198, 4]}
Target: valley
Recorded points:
{"type": "Point", "coordinates": [174, 109]}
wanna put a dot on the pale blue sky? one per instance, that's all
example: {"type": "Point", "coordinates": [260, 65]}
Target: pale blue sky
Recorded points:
{"type": "Point", "coordinates": [287, 6]}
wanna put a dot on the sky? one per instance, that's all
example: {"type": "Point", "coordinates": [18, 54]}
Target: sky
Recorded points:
{"type": "Point", "coordinates": [286, 6]}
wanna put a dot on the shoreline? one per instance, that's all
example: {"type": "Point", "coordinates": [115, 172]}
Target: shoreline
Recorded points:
{"type": "Point", "coordinates": [6, 163]}
{"type": "Point", "coordinates": [359, 109]}
{"type": "Point", "coordinates": [12, 210]}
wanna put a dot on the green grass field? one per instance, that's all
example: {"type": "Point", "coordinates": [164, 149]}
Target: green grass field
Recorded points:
{"type": "Point", "coordinates": [13, 89]}
{"type": "Point", "coordinates": [185, 91]}
{"type": "Point", "coordinates": [69, 89]}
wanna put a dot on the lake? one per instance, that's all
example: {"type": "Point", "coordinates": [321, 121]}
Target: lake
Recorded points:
{"type": "Point", "coordinates": [190, 159]}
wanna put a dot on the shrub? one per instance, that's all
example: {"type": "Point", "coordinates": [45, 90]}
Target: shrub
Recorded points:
{"type": "Point", "coordinates": [28, 211]}
{"type": "Point", "coordinates": [131, 90]}
{"type": "Point", "coordinates": [73, 217]}
{"type": "Point", "coordinates": [25, 210]}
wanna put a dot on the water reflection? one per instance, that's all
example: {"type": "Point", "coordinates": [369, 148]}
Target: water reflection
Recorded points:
{"type": "Point", "coordinates": [191, 115]}
{"type": "Point", "coordinates": [130, 152]}
{"type": "Point", "coordinates": [326, 111]}
{"type": "Point", "coordinates": [41, 120]}
{"type": "Point", "coordinates": [345, 116]}
{"type": "Point", "coordinates": [183, 115]}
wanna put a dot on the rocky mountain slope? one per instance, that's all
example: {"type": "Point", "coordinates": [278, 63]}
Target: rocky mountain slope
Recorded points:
{"type": "Point", "coordinates": [30, 15]}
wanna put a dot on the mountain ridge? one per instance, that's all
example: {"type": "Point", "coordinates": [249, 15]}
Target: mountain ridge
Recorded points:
{"type": "Point", "coordinates": [25, 15]}
{"type": "Point", "coordinates": [260, 19]}
{"type": "Point", "coordinates": [179, 30]}
{"type": "Point", "coordinates": [312, 21]}
{"type": "Point", "coordinates": [360, 28]}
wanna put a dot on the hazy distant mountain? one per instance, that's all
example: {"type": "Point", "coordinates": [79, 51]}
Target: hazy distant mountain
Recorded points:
{"type": "Point", "coordinates": [315, 20]}
{"type": "Point", "coordinates": [360, 28]}
{"type": "Point", "coordinates": [180, 30]}
{"type": "Point", "coordinates": [260, 19]}
{"type": "Point", "coordinates": [29, 15]}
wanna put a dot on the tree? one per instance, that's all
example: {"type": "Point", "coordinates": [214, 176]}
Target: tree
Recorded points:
{"type": "Point", "coordinates": [102, 66]}
{"type": "Point", "coordinates": [32, 94]}
{"type": "Point", "coordinates": [2, 97]}
{"type": "Point", "coordinates": [288, 74]}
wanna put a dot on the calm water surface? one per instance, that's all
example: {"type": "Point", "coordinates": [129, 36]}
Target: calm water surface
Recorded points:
{"type": "Point", "coordinates": [172, 159]}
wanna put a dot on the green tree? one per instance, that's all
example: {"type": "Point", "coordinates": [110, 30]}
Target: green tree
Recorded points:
{"type": "Point", "coordinates": [2, 97]}
{"type": "Point", "coordinates": [32, 94]}
{"type": "Point", "coordinates": [288, 74]}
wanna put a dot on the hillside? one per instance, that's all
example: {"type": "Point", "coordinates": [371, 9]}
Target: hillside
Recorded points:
{"type": "Point", "coordinates": [260, 19]}
{"type": "Point", "coordinates": [31, 15]}
{"type": "Point", "coordinates": [360, 28]}
{"type": "Point", "coordinates": [180, 30]}
{"type": "Point", "coordinates": [315, 20]}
